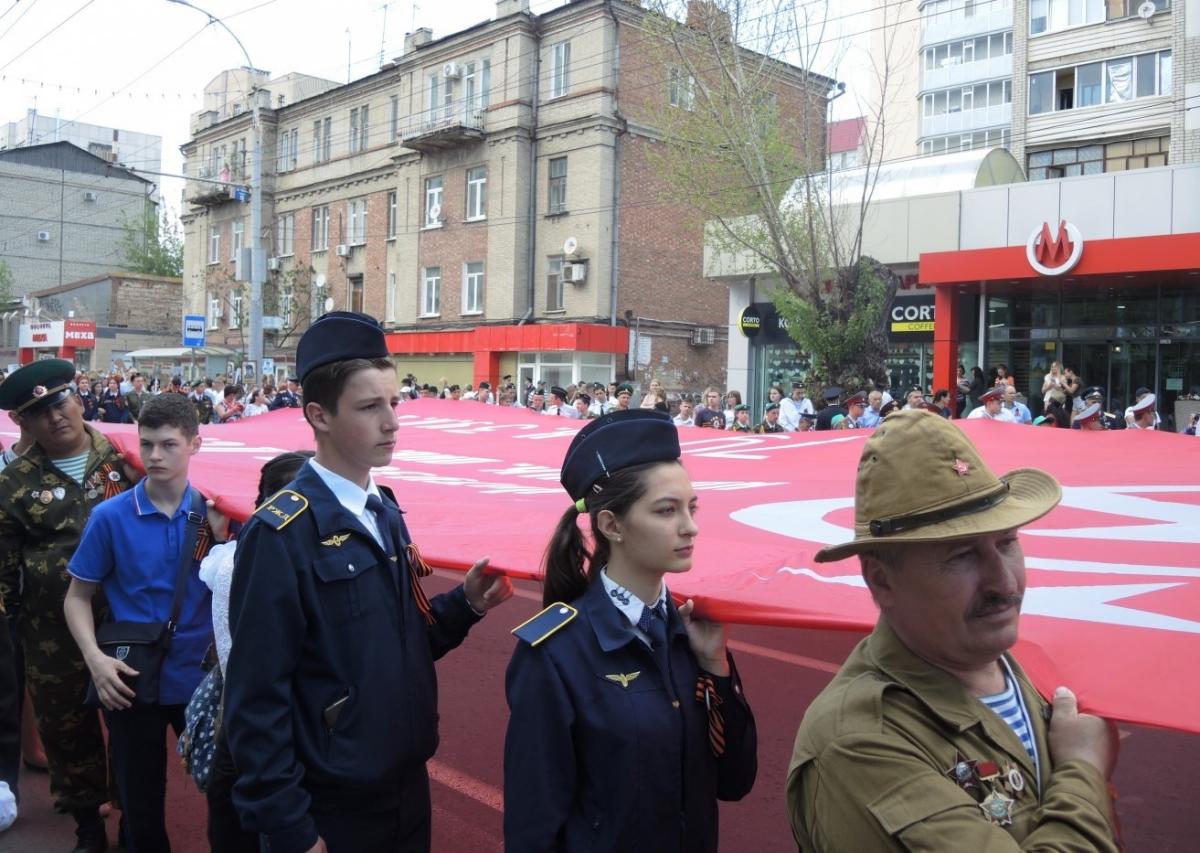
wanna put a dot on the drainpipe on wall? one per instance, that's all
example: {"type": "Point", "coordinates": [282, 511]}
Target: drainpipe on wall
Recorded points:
{"type": "Point", "coordinates": [531, 277]}
{"type": "Point", "coordinates": [615, 252]}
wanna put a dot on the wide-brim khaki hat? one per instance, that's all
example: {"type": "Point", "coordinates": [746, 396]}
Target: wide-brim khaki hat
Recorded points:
{"type": "Point", "coordinates": [920, 479]}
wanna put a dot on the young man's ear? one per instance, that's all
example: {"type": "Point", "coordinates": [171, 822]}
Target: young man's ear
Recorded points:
{"type": "Point", "coordinates": [317, 417]}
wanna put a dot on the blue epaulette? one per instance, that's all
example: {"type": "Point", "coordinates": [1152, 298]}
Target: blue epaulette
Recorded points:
{"type": "Point", "coordinates": [542, 626]}
{"type": "Point", "coordinates": [279, 509]}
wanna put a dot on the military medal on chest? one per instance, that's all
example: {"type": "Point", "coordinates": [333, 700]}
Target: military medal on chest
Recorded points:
{"type": "Point", "coordinates": [964, 772]}
{"type": "Point", "coordinates": [997, 808]}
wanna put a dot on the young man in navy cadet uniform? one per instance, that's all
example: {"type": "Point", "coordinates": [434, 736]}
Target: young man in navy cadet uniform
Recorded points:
{"type": "Point", "coordinates": [825, 417]}
{"type": "Point", "coordinates": [330, 693]}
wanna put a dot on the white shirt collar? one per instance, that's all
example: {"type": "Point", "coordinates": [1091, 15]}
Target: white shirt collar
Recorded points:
{"type": "Point", "coordinates": [348, 493]}
{"type": "Point", "coordinates": [628, 603]}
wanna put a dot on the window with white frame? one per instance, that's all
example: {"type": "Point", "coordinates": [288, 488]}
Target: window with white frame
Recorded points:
{"type": "Point", "coordinates": [433, 95]}
{"type": "Point", "coordinates": [554, 283]}
{"type": "Point", "coordinates": [966, 98]}
{"type": "Point", "coordinates": [977, 49]}
{"type": "Point", "coordinates": [1049, 16]}
{"type": "Point", "coordinates": [288, 150]}
{"type": "Point", "coordinates": [357, 210]}
{"type": "Point", "coordinates": [322, 139]}
{"type": "Point", "coordinates": [239, 238]}
{"type": "Point", "coordinates": [557, 185]}
{"type": "Point", "coordinates": [1112, 81]}
{"type": "Point", "coordinates": [389, 309]}
{"type": "Point", "coordinates": [214, 244]}
{"type": "Point", "coordinates": [320, 228]}
{"type": "Point", "coordinates": [472, 292]}
{"type": "Point", "coordinates": [359, 131]}
{"type": "Point", "coordinates": [682, 89]}
{"type": "Point", "coordinates": [394, 118]}
{"type": "Point", "coordinates": [477, 84]}
{"type": "Point", "coordinates": [214, 311]}
{"type": "Point", "coordinates": [433, 202]}
{"type": "Point", "coordinates": [391, 216]}
{"type": "Point", "coordinates": [285, 235]}
{"type": "Point", "coordinates": [287, 306]}
{"type": "Point", "coordinates": [560, 69]}
{"type": "Point", "coordinates": [476, 193]}
{"type": "Point", "coordinates": [431, 291]}
{"type": "Point", "coordinates": [235, 309]}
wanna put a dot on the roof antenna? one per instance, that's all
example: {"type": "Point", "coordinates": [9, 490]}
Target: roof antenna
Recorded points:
{"type": "Point", "coordinates": [383, 33]}
{"type": "Point", "coordinates": [347, 54]}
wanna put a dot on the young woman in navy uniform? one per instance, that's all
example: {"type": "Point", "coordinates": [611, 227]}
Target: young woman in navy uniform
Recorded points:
{"type": "Point", "coordinates": [628, 721]}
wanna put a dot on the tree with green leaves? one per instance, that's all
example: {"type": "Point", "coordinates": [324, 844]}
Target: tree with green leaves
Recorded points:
{"type": "Point", "coordinates": [743, 127]}
{"type": "Point", "coordinates": [151, 243]}
{"type": "Point", "coordinates": [7, 280]}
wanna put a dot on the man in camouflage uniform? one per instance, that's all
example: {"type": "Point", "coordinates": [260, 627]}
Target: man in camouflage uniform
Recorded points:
{"type": "Point", "coordinates": [46, 496]}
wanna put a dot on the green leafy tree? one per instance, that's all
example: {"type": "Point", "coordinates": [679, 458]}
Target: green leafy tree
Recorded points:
{"type": "Point", "coordinates": [7, 280]}
{"type": "Point", "coordinates": [743, 128]}
{"type": "Point", "coordinates": [151, 243]}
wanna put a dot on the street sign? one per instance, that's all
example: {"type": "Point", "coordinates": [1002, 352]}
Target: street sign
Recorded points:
{"type": "Point", "coordinates": [241, 194]}
{"type": "Point", "coordinates": [193, 330]}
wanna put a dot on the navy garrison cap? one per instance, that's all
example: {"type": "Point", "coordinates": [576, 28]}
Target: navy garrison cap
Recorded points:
{"type": "Point", "coordinates": [37, 386]}
{"type": "Point", "coordinates": [615, 441]}
{"type": "Point", "coordinates": [339, 336]}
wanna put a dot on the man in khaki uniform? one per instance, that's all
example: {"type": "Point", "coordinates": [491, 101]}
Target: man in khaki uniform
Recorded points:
{"type": "Point", "coordinates": [46, 496]}
{"type": "Point", "coordinates": [931, 737]}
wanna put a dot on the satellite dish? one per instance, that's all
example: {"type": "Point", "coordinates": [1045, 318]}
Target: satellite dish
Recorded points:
{"type": "Point", "coordinates": [1146, 10]}
{"type": "Point", "coordinates": [570, 246]}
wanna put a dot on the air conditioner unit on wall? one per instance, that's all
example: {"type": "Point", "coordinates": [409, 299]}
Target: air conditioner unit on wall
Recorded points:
{"type": "Point", "coordinates": [43, 236]}
{"type": "Point", "coordinates": [452, 70]}
{"type": "Point", "coordinates": [575, 272]}
{"type": "Point", "coordinates": [89, 195]}
{"type": "Point", "coordinates": [343, 250]}
{"type": "Point", "coordinates": [704, 336]}
{"type": "Point", "coordinates": [274, 264]}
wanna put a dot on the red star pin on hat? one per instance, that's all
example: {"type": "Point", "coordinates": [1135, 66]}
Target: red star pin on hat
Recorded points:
{"type": "Point", "coordinates": [961, 467]}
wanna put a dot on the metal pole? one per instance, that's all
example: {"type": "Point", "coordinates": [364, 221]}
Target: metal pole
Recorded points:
{"type": "Point", "coordinates": [258, 261]}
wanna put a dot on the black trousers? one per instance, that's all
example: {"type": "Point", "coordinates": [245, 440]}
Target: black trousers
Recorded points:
{"type": "Point", "coordinates": [138, 738]}
{"type": "Point", "coordinates": [225, 833]}
{"type": "Point", "coordinates": [403, 830]}
{"type": "Point", "coordinates": [12, 699]}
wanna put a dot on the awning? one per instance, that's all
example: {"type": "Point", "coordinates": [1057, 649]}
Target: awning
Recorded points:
{"type": "Point", "coordinates": [179, 352]}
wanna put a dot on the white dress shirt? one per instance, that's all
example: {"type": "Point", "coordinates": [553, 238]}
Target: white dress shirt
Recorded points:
{"type": "Point", "coordinates": [353, 498]}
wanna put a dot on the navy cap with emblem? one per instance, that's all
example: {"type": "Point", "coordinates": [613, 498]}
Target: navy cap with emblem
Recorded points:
{"type": "Point", "coordinates": [615, 441]}
{"type": "Point", "coordinates": [37, 386]}
{"type": "Point", "coordinates": [561, 393]}
{"type": "Point", "coordinates": [1093, 391]}
{"type": "Point", "coordinates": [339, 336]}
{"type": "Point", "coordinates": [832, 393]}
{"type": "Point", "coordinates": [797, 386]}
{"type": "Point", "coordinates": [770, 406]}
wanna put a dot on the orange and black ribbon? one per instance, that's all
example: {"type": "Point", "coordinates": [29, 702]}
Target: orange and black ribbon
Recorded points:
{"type": "Point", "coordinates": [706, 694]}
{"type": "Point", "coordinates": [112, 487]}
{"type": "Point", "coordinates": [204, 541]}
{"type": "Point", "coordinates": [417, 569]}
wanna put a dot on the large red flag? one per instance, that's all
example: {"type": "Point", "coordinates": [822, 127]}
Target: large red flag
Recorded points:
{"type": "Point", "coordinates": [1113, 592]}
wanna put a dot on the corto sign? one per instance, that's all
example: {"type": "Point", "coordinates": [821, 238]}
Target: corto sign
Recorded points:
{"type": "Point", "coordinates": [1054, 254]}
{"type": "Point", "coordinates": [750, 322]}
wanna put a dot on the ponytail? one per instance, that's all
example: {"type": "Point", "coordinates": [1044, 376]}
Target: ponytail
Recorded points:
{"type": "Point", "coordinates": [568, 566]}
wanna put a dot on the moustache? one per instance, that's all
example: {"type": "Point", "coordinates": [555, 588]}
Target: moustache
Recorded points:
{"type": "Point", "coordinates": [995, 604]}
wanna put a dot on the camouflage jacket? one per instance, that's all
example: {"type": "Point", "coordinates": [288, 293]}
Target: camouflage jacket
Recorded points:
{"type": "Point", "coordinates": [42, 515]}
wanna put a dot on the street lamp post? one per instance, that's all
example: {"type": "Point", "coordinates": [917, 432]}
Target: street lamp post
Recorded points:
{"type": "Point", "coordinates": [258, 265]}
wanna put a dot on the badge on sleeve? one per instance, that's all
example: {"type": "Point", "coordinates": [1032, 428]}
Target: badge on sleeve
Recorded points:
{"type": "Point", "coordinates": [545, 624]}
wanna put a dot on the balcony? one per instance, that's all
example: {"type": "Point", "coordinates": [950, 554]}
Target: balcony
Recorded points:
{"type": "Point", "coordinates": [214, 186]}
{"type": "Point", "coordinates": [952, 26]}
{"type": "Point", "coordinates": [967, 120]}
{"type": "Point", "coordinates": [443, 128]}
{"type": "Point", "coordinates": [963, 74]}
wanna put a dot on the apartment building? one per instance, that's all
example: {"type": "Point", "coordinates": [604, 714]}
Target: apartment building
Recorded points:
{"type": "Point", "coordinates": [489, 195]}
{"type": "Point", "coordinates": [127, 148]}
{"type": "Point", "coordinates": [966, 91]}
{"type": "Point", "coordinates": [1098, 86]}
{"type": "Point", "coordinates": [61, 213]}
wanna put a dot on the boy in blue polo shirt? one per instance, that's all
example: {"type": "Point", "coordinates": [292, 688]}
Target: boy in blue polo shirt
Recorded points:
{"type": "Point", "coordinates": [131, 547]}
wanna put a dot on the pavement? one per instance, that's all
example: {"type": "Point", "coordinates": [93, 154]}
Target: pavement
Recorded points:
{"type": "Point", "coordinates": [782, 669]}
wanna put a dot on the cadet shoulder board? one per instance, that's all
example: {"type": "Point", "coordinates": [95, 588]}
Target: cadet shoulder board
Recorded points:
{"type": "Point", "coordinates": [542, 626]}
{"type": "Point", "coordinates": [279, 509]}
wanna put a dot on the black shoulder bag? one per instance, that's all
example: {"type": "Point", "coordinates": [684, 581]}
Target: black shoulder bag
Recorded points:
{"type": "Point", "coordinates": [144, 645]}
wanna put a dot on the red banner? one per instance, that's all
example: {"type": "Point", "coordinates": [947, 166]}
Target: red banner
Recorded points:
{"type": "Point", "coordinates": [1113, 574]}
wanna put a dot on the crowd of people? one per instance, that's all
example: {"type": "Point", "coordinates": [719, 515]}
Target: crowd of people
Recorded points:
{"type": "Point", "coordinates": [345, 575]}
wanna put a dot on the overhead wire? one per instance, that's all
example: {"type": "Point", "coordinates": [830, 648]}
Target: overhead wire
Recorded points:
{"type": "Point", "coordinates": [48, 33]}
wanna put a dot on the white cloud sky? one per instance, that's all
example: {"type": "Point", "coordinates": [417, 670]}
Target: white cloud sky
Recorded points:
{"type": "Point", "coordinates": [69, 57]}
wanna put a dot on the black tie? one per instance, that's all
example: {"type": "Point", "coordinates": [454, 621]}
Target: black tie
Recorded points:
{"type": "Point", "coordinates": [384, 522]}
{"type": "Point", "coordinates": [654, 623]}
